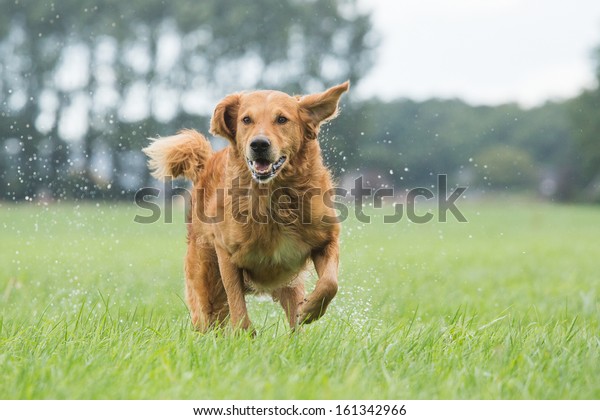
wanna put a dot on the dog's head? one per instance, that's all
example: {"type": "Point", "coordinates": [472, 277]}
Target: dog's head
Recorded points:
{"type": "Point", "coordinates": [268, 127]}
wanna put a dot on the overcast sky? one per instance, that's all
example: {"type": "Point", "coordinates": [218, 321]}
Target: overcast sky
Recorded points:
{"type": "Point", "coordinates": [483, 51]}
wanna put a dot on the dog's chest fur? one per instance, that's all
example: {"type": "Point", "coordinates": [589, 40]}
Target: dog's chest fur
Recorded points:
{"type": "Point", "coordinates": [272, 263]}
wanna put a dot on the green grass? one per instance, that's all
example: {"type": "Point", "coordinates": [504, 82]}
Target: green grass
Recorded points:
{"type": "Point", "coordinates": [505, 306]}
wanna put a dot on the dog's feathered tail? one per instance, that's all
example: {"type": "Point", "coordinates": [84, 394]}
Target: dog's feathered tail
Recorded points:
{"type": "Point", "coordinates": [183, 154]}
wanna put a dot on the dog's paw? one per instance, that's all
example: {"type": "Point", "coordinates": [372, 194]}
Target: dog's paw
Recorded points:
{"type": "Point", "coordinates": [251, 332]}
{"type": "Point", "coordinates": [312, 309]}
{"type": "Point", "coordinates": [248, 331]}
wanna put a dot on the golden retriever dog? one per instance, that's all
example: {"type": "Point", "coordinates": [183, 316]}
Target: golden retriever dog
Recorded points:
{"type": "Point", "coordinates": [261, 208]}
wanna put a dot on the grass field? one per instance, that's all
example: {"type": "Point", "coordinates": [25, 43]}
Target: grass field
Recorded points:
{"type": "Point", "coordinates": [504, 306]}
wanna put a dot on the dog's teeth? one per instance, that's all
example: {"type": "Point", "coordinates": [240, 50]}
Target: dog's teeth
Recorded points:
{"type": "Point", "coordinates": [279, 162]}
{"type": "Point", "coordinates": [261, 168]}
{"type": "Point", "coordinates": [262, 173]}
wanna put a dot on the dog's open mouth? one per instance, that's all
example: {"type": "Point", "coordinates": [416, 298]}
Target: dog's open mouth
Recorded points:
{"type": "Point", "coordinates": [263, 170]}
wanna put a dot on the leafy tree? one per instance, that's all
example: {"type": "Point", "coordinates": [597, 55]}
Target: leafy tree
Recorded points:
{"type": "Point", "coordinates": [175, 57]}
{"type": "Point", "coordinates": [505, 167]}
{"type": "Point", "coordinates": [411, 142]}
{"type": "Point", "coordinates": [585, 117]}
{"type": "Point", "coordinates": [585, 120]}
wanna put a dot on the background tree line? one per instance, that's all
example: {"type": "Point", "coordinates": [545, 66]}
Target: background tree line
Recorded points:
{"type": "Point", "coordinates": [84, 83]}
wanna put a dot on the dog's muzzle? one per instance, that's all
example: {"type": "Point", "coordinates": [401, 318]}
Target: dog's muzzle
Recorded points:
{"type": "Point", "coordinates": [263, 165]}
{"type": "Point", "coordinates": [263, 170]}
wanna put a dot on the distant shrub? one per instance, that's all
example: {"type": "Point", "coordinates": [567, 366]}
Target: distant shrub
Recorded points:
{"type": "Point", "coordinates": [504, 166]}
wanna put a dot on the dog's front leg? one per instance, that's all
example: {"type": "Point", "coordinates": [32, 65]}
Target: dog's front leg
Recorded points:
{"type": "Point", "coordinates": [326, 264]}
{"type": "Point", "coordinates": [233, 283]}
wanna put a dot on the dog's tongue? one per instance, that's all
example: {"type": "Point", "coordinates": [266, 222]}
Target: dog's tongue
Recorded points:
{"type": "Point", "coordinates": [261, 165]}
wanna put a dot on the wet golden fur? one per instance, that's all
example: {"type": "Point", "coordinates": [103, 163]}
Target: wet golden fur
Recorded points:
{"type": "Point", "coordinates": [265, 238]}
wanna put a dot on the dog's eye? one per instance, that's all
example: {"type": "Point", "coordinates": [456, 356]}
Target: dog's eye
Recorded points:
{"type": "Point", "coordinates": [281, 120]}
{"type": "Point", "coordinates": [246, 120]}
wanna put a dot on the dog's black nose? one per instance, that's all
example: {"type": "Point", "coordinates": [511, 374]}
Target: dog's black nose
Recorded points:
{"type": "Point", "coordinates": [260, 144]}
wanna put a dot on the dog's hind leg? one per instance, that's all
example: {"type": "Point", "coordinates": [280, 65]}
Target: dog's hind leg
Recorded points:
{"type": "Point", "coordinates": [205, 294]}
{"type": "Point", "coordinates": [290, 299]}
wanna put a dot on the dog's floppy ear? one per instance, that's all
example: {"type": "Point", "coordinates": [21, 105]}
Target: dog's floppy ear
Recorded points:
{"type": "Point", "coordinates": [318, 108]}
{"type": "Point", "coordinates": [224, 119]}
